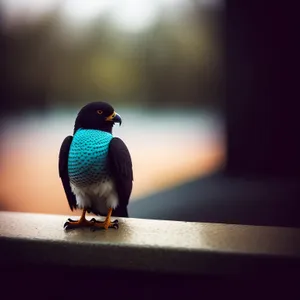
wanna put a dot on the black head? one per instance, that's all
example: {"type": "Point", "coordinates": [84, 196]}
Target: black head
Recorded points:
{"type": "Point", "coordinates": [97, 115]}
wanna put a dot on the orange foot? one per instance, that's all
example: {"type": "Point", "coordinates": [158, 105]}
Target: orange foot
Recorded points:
{"type": "Point", "coordinates": [104, 225]}
{"type": "Point", "coordinates": [82, 222]}
{"type": "Point", "coordinates": [72, 224]}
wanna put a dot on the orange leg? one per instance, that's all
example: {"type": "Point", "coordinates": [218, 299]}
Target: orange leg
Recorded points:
{"type": "Point", "coordinates": [82, 222]}
{"type": "Point", "coordinates": [107, 223]}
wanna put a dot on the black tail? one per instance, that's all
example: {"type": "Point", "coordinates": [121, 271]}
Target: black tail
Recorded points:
{"type": "Point", "coordinates": [120, 212]}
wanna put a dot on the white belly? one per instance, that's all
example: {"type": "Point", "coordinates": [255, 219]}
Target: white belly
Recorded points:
{"type": "Point", "coordinates": [100, 196]}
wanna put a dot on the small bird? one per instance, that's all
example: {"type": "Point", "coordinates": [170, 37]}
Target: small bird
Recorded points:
{"type": "Point", "coordinates": [96, 168]}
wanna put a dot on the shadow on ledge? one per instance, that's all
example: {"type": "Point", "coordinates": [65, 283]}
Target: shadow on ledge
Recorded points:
{"type": "Point", "coordinates": [47, 282]}
{"type": "Point", "coordinates": [225, 199]}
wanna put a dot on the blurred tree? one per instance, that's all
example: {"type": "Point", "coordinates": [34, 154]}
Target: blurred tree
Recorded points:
{"type": "Point", "coordinates": [176, 62]}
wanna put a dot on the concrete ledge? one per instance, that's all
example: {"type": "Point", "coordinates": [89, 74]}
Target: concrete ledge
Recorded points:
{"type": "Point", "coordinates": [149, 245]}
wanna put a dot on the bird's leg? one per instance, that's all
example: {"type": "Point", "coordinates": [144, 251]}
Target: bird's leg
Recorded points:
{"type": "Point", "coordinates": [107, 223]}
{"type": "Point", "coordinates": [82, 222]}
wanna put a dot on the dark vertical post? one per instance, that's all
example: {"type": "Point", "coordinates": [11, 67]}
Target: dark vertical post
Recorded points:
{"type": "Point", "coordinates": [263, 113]}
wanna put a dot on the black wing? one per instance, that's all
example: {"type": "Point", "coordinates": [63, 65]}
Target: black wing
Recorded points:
{"type": "Point", "coordinates": [121, 168]}
{"type": "Point", "coordinates": [63, 171]}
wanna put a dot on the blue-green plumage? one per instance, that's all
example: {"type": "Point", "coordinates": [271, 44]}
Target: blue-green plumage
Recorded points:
{"type": "Point", "coordinates": [87, 161]}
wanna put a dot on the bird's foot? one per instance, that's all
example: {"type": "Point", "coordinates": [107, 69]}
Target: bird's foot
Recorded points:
{"type": "Point", "coordinates": [104, 225]}
{"type": "Point", "coordinates": [72, 224]}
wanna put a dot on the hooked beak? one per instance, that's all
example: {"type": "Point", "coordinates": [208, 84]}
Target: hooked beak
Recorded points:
{"type": "Point", "coordinates": [114, 117]}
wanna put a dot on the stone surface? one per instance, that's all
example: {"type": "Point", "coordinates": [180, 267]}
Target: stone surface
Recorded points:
{"type": "Point", "coordinates": [149, 245]}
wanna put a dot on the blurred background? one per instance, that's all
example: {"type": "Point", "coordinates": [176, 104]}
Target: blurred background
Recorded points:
{"type": "Point", "coordinates": [208, 91]}
{"type": "Point", "coordinates": [160, 63]}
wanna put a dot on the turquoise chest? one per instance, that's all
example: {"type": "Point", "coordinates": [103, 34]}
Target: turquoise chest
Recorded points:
{"type": "Point", "coordinates": [87, 163]}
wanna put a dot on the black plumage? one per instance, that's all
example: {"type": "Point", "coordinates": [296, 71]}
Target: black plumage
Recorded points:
{"type": "Point", "coordinates": [63, 171]}
{"type": "Point", "coordinates": [119, 159]}
{"type": "Point", "coordinates": [121, 168]}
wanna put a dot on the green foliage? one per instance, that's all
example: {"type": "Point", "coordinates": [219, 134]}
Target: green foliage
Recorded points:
{"type": "Point", "coordinates": [174, 62]}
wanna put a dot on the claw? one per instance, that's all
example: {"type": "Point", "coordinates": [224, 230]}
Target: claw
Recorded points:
{"type": "Point", "coordinates": [70, 224]}
{"type": "Point", "coordinates": [66, 224]}
{"type": "Point", "coordinates": [101, 225]}
{"type": "Point", "coordinates": [115, 225]}
{"type": "Point", "coordinates": [96, 221]}
{"type": "Point", "coordinates": [93, 223]}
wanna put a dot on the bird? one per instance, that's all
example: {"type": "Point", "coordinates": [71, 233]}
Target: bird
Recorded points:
{"type": "Point", "coordinates": [95, 168]}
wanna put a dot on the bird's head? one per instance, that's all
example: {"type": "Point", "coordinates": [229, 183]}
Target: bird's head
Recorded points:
{"type": "Point", "coordinates": [97, 115]}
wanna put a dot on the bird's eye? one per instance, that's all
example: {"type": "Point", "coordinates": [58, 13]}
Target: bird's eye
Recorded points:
{"type": "Point", "coordinates": [99, 112]}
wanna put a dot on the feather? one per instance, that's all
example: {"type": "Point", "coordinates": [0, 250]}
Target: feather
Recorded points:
{"type": "Point", "coordinates": [120, 166]}
{"type": "Point", "coordinates": [63, 171]}
{"type": "Point", "coordinates": [97, 197]}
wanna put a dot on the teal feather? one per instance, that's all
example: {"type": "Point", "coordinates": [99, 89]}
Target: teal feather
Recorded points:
{"type": "Point", "coordinates": [87, 162]}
